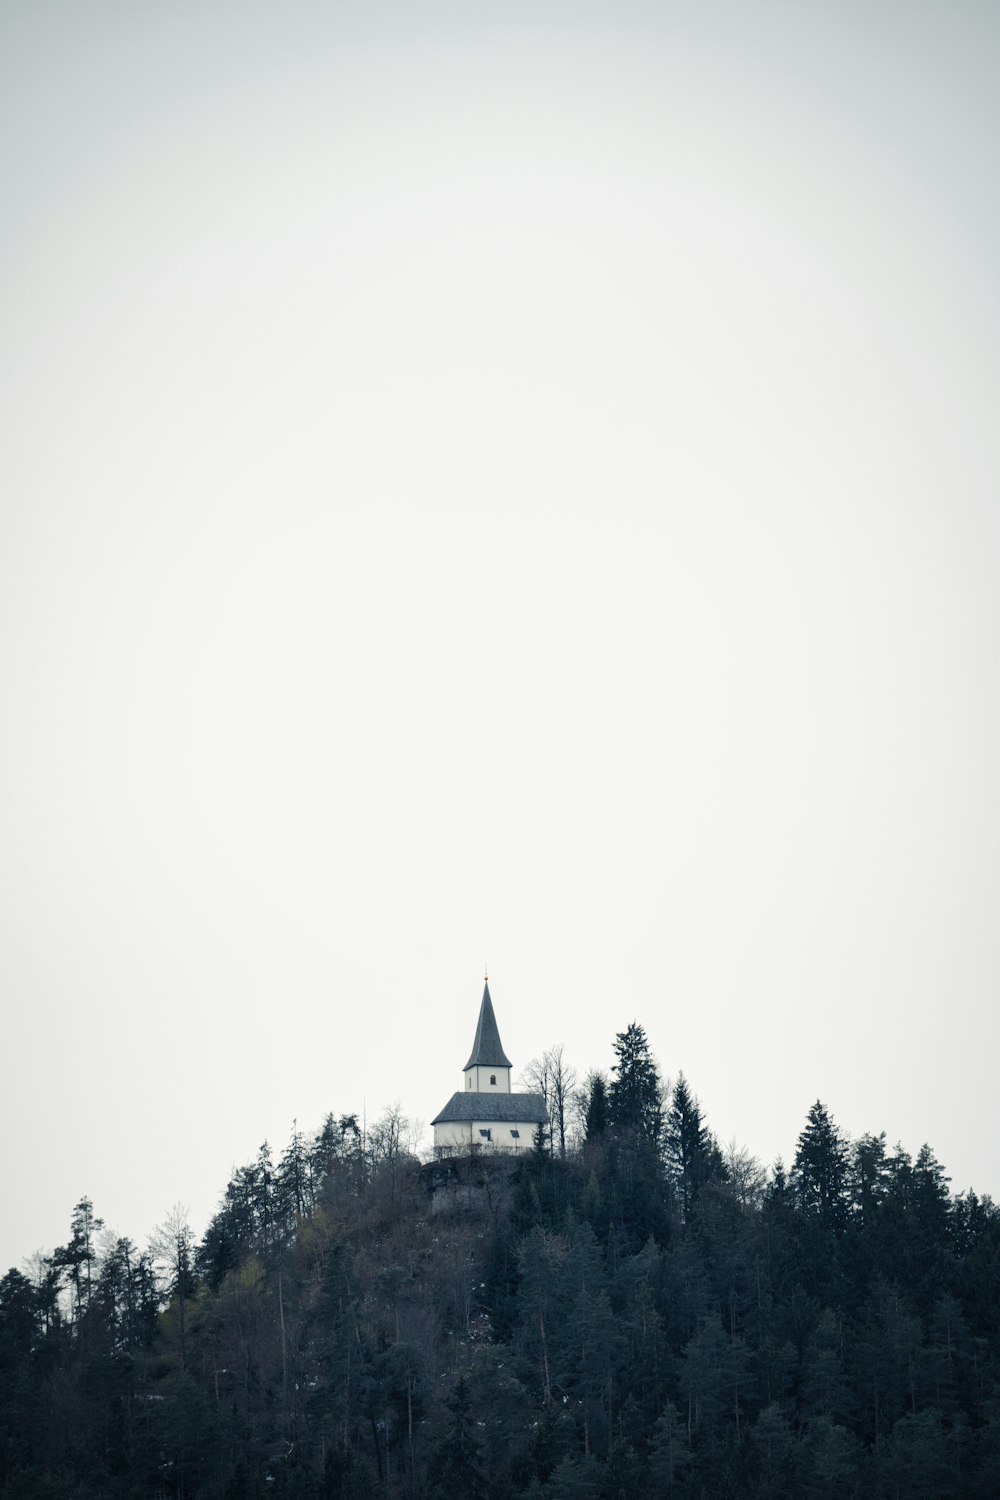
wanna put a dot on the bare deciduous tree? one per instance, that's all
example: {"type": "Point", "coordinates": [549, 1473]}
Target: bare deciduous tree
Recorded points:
{"type": "Point", "coordinates": [537, 1076]}
{"type": "Point", "coordinates": [564, 1080]}
{"type": "Point", "coordinates": [391, 1141]}
{"type": "Point", "coordinates": [747, 1178]}
{"type": "Point", "coordinates": [172, 1247]}
{"type": "Point", "coordinates": [552, 1076]}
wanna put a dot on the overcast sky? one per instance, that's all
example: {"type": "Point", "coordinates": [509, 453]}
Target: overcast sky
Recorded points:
{"type": "Point", "coordinates": [509, 482]}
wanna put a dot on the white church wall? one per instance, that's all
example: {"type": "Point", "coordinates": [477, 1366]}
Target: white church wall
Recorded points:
{"type": "Point", "coordinates": [489, 1134]}
{"type": "Point", "coordinates": [501, 1134]}
{"type": "Point", "coordinates": [454, 1134]}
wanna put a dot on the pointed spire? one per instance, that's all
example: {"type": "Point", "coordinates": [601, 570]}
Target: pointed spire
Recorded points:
{"type": "Point", "coordinates": [486, 1049]}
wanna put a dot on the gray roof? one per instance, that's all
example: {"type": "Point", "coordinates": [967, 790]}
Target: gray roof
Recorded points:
{"type": "Point", "coordinates": [486, 1049]}
{"type": "Point", "coordinates": [517, 1109]}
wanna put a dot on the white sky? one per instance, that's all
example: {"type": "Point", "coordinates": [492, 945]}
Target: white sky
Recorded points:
{"type": "Point", "coordinates": [511, 481]}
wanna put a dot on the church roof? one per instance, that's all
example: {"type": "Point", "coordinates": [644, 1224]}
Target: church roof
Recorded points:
{"type": "Point", "coordinates": [486, 1049]}
{"type": "Point", "coordinates": [513, 1109]}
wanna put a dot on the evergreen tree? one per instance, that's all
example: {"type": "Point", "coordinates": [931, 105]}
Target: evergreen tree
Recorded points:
{"type": "Point", "coordinates": [125, 1296]}
{"type": "Point", "coordinates": [596, 1115]}
{"type": "Point", "coordinates": [868, 1180]}
{"type": "Point", "coordinates": [669, 1452]}
{"type": "Point", "coordinates": [221, 1248]}
{"type": "Point", "coordinates": [692, 1157]}
{"type": "Point", "coordinates": [265, 1204]}
{"type": "Point", "coordinates": [22, 1423]}
{"type": "Point", "coordinates": [819, 1172]}
{"type": "Point", "coordinates": [543, 1296]}
{"type": "Point", "coordinates": [918, 1462]}
{"type": "Point", "coordinates": [947, 1353]}
{"type": "Point", "coordinates": [832, 1461]}
{"type": "Point", "coordinates": [456, 1467]}
{"type": "Point", "coordinates": [703, 1379]}
{"type": "Point", "coordinates": [930, 1227]}
{"type": "Point", "coordinates": [634, 1107]}
{"type": "Point", "coordinates": [773, 1445]}
{"type": "Point", "coordinates": [19, 1328]}
{"type": "Point", "coordinates": [578, 1476]}
{"type": "Point", "coordinates": [824, 1388]}
{"type": "Point", "coordinates": [588, 1347]}
{"type": "Point", "coordinates": [345, 1478]}
{"type": "Point", "coordinates": [292, 1183]}
{"type": "Point", "coordinates": [79, 1256]}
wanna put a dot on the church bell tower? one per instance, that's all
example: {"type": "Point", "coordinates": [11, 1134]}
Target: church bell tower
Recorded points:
{"type": "Point", "coordinates": [488, 1069]}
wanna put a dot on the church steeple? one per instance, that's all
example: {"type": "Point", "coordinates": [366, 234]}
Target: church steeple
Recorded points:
{"type": "Point", "coordinates": [489, 1066]}
{"type": "Point", "coordinates": [486, 1049]}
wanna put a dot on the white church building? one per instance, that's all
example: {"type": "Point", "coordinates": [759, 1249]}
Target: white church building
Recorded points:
{"type": "Point", "coordinates": [486, 1112]}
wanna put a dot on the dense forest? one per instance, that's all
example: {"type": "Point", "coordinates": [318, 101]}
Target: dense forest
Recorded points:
{"type": "Point", "coordinates": [628, 1309]}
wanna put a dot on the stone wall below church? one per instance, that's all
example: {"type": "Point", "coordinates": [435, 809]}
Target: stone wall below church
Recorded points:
{"type": "Point", "coordinates": [477, 1182]}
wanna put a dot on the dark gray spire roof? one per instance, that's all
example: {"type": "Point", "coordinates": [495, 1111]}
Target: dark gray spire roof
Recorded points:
{"type": "Point", "coordinates": [486, 1049]}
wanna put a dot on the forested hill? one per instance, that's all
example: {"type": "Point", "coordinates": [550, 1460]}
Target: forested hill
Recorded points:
{"type": "Point", "coordinates": [636, 1313]}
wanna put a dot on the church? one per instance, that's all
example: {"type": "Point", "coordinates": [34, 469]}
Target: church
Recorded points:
{"type": "Point", "coordinates": [486, 1112]}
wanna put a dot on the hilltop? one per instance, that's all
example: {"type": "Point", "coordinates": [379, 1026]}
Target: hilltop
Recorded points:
{"type": "Point", "coordinates": [639, 1313]}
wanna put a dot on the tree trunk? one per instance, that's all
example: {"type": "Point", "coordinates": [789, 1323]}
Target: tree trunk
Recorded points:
{"type": "Point", "coordinates": [545, 1357]}
{"type": "Point", "coordinates": [284, 1353]}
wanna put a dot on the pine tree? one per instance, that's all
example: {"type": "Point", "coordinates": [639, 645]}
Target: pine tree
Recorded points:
{"type": "Point", "coordinates": [634, 1108]}
{"type": "Point", "coordinates": [819, 1172]}
{"type": "Point", "coordinates": [596, 1118]}
{"type": "Point", "coordinates": [946, 1356]}
{"type": "Point", "coordinates": [456, 1466]}
{"type": "Point", "coordinates": [929, 1226]}
{"type": "Point", "coordinates": [125, 1297]}
{"type": "Point", "coordinates": [669, 1452]}
{"type": "Point", "coordinates": [292, 1183]}
{"type": "Point", "coordinates": [265, 1206]}
{"type": "Point", "coordinates": [772, 1443]}
{"type": "Point", "coordinates": [578, 1476]}
{"type": "Point", "coordinates": [79, 1257]}
{"type": "Point", "coordinates": [703, 1366]}
{"type": "Point", "coordinates": [824, 1390]}
{"type": "Point", "coordinates": [336, 1159]}
{"type": "Point", "coordinates": [692, 1156]}
{"type": "Point", "coordinates": [867, 1179]}
{"type": "Point", "coordinates": [832, 1456]}
{"type": "Point", "coordinates": [589, 1344]}
{"type": "Point", "coordinates": [18, 1315]}
{"type": "Point", "coordinates": [543, 1296]}
{"type": "Point", "coordinates": [918, 1462]}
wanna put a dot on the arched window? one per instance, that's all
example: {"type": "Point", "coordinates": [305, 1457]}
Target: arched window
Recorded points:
{"type": "Point", "coordinates": [493, 1079]}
